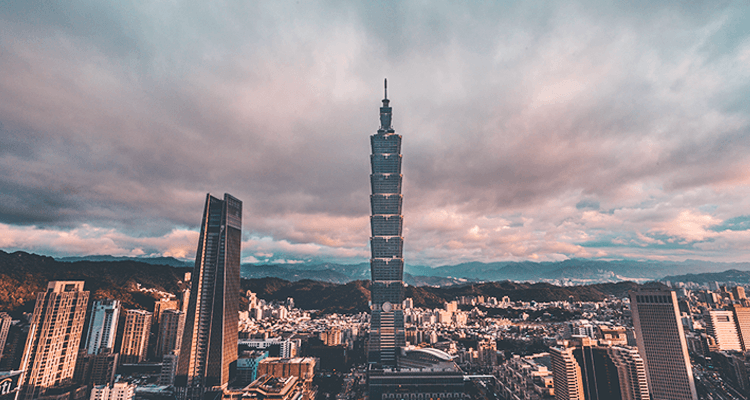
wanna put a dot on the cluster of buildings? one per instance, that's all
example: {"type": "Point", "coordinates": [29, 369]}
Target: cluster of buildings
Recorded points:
{"type": "Point", "coordinates": [196, 345]}
{"type": "Point", "coordinates": [199, 344]}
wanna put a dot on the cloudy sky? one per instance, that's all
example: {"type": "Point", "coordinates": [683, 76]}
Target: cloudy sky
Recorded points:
{"type": "Point", "coordinates": [532, 130]}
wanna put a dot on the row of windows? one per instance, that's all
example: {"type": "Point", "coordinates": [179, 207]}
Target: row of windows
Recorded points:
{"type": "Point", "coordinates": [385, 143]}
{"type": "Point", "coordinates": [654, 299]}
{"type": "Point", "coordinates": [385, 163]}
{"type": "Point", "coordinates": [385, 184]}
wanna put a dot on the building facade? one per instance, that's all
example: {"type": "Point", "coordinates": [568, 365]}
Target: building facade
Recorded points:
{"type": "Point", "coordinates": [247, 366]}
{"type": "Point", "coordinates": [136, 332]}
{"type": "Point", "coordinates": [631, 372]}
{"type": "Point", "coordinates": [5, 323]}
{"type": "Point", "coordinates": [662, 344]}
{"type": "Point", "coordinates": [51, 349]}
{"type": "Point", "coordinates": [102, 326]}
{"type": "Point", "coordinates": [116, 391]}
{"type": "Point", "coordinates": [721, 325]}
{"type": "Point", "coordinates": [386, 243]}
{"type": "Point", "coordinates": [566, 373]}
{"type": "Point", "coordinates": [742, 319]}
{"type": "Point", "coordinates": [171, 328]}
{"type": "Point", "coordinates": [209, 343]}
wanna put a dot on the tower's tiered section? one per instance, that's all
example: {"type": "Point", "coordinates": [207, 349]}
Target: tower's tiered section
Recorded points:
{"type": "Point", "coordinates": [386, 243]}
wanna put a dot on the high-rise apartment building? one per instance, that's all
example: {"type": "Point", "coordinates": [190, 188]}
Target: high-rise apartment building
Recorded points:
{"type": "Point", "coordinates": [742, 320]}
{"type": "Point", "coordinates": [566, 374]}
{"type": "Point", "coordinates": [387, 263]}
{"type": "Point", "coordinates": [171, 329]}
{"type": "Point", "coordinates": [54, 336]}
{"type": "Point", "coordinates": [662, 344]}
{"type": "Point", "coordinates": [631, 371]}
{"type": "Point", "coordinates": [168, 370]}
{"type": "Point", "coordinates": [739, 293]}
{"type": "Point", "coordinates": [5, 323]}
{"type": "Point", "coordinates": [96, 369]}
{"type": "Point", "coordinates": [209, 342]}
{"type": "Point", "coordinates": [163, 305]}
{"type": "Point", "coordinates": [584, 368]}
{"type": "Point", "coordinates": [721, 325]}
{"type": "Point", "coordinates": [137, 329]}
{"type": "Point", "coordinates": [102, 326]}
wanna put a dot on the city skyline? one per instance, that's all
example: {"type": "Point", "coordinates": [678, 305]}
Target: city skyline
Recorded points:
{"type": "Point", "coordinates": [573, 130]}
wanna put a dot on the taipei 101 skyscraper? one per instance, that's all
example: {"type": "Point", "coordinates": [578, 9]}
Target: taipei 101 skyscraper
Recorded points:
{"type": "Point", "coordinates": [387, 263]}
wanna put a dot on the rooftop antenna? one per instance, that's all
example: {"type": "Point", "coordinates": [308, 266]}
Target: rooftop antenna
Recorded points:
{"type": "Point", "coordinates": [386, 87]}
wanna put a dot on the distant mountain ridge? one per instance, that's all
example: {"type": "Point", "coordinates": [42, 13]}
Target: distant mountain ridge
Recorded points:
{"type": "Point", "coordinates": [171, 261]}
{"type": "Point", "coordinates": [22, 275]}
{"type": "Point", "coordinates": [572, 271]}
{"type": "Point", "coordinates": [732, 275]}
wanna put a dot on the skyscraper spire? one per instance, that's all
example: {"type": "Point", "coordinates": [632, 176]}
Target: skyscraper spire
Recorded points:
{"type": "Point", "coordinates": [385, 112]}
{"type": "Point", "coordinates": [386, 243]}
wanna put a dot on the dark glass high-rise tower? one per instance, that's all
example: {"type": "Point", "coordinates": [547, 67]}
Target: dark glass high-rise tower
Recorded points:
{"type": "Point", "coordinates": [387, 263]}
{"type": "Point", "coordinates": [209, 342]}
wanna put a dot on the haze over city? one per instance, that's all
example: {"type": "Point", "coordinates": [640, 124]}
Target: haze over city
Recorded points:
{"type": "Point", "coordinates": [531, 131]}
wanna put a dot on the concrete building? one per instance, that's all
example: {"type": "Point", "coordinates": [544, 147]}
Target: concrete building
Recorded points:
{"type": "Point", "coordinates": [662, 344]}
{"type": "Point", "coordinates": [247, 366]}
{"type": "Point", "coordinates": [102, 326]}
{"type": "Point", "coordinates": [171, 329]}
{"type": "Point", "coordinates": [97, 369]}
{"type": "Point", "coordinates": [116, 391]}
{"type": "Point", "coordinates": [527, 378]}
{"type": "Point", "coordinates": [566, 374]}
{"type": "Point", "coordinates": [631, 372]}
{"type": "Point", "coordinates": [136, 331]}
{"type": "Point", "coordinates": [615, 335]}
{"type": "Point", "coordinates": [739, 292]}
{"type": "Point", "coordinates": [168, 369]}
{"type": "Point", "coordinates": [742, 320]}
{"type": "Point", "coordinates": [417, 383]}
{"type": "Point", "coordinates": [722, 326]}
{"type": "Point", "coordinates": [272, 388]}
{"type": "Point", "coordinates": [276, 347]}
{"type": "Point", "coordinates": [601, 368]}
{"type": "Point", "coordinates": [51, 349]}
{"type": "Point", "coordinates": [163, 305]}
{"type": "Point", "coordinates": [5, 323]}
{"type": "Point", "coordinates": [300, 367]}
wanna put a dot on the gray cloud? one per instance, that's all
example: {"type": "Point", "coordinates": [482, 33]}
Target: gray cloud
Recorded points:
{"type": "Point", "coordinates": [123, 116]}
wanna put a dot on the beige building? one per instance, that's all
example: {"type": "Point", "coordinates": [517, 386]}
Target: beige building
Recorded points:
{"type": "Point", "coordinates": [279, 379]}
{"type": "Point", "coordinates": [135, 336]}
{"type": "Point", "coordinates": [301, 367]}
{"type": "Point", "coordinates": [164, 305]}
{"type": "Point", "coordinates": [631, 371]}
{"type": "Point", "coordinates": [51, 349]}
{"type": "Point", "coordinates": [742, 319]}
{"type": "Point", "coordinates": [118, 391]}
{"type": "Point", "coordinates": [5, 322]}
{"type": "Point", "coordinates": [566, 374]}
{"type": "Point", "coordinates": [615, 335]}
{"type": "Point", "coordinates": [721, 325]}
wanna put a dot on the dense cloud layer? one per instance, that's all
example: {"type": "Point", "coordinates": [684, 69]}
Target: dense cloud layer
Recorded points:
{"type": "Point", "coordinates": [530, 132]}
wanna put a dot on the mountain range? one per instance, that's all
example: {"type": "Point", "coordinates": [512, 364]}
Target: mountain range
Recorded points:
{"type": "Point", "coordinates": [137, 284]}
{"type": "Point", "coordinates": [568, 272]}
